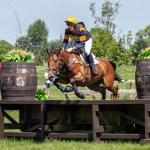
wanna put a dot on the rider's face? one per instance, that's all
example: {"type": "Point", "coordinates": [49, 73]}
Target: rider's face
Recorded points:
{"type": "Point", "coordinates": [71, 28]}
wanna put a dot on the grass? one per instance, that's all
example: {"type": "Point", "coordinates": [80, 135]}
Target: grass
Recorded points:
{"type": "Point", "coordinates": [40, 73]}
{"type": "Point", "coordinates": [126, 73]}
{"type": "Point", "coordinates": [55, 144]}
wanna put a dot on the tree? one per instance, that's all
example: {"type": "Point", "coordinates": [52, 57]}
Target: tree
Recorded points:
{"type": "Point", "coordinates": [124, 53]}
{"type": "Point", "coordinates": [22, 43]}
{"type": "Point", "coordinates": [105, 22]}
{"type": "Point", "coordinates": [55, 44]}
{"type": "Point", "coordinates": [37, 34]}
{"type": "Point", "coordinates": [52, 45]}
{"type": "Point", "coordinates": [139, 44]}
{"type": "Point", "coordinates": [143, 37]}
{"type": "Point", "coordinates": [142, 40]}
{"type": "Point", "coordinates": [4, 48]}
{"type": "Point", "coordinates": [36, 40]}
{"type": "Point", "coordinates": [99, 42]}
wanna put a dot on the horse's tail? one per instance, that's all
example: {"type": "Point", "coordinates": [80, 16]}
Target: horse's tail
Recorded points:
{"type": "Point", "coordinates": [117, 77]}
{"type": "Point", "coordinates": [113, 64]}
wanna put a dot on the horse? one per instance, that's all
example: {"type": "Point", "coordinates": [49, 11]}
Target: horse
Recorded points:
{"type": "Point", "coordinates": [74, 70]}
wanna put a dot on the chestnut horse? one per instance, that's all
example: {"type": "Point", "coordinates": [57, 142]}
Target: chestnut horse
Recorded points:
{"type": "Point", "coordinates": [72, 69]}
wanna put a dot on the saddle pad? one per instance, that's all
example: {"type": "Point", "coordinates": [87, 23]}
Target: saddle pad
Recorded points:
{"type": "Point", "coordinates": [94, 58]}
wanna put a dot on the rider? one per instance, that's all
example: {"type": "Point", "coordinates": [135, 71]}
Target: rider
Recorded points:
{"type": "Point", "coordinates": [81, 38]}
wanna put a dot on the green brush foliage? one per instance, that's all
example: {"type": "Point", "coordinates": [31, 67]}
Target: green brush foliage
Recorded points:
{"type": "Point", "coordinates": [41, 95]}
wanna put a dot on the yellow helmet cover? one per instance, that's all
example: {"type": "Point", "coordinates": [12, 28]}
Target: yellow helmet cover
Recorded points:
{"type": "Point", "coordinates": [71, 19]}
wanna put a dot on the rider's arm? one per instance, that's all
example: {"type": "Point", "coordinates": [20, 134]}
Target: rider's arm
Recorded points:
{"type": "Point", "coordinates": [66, 38]}
{"type": "Point", "coordinates": [79, 45]}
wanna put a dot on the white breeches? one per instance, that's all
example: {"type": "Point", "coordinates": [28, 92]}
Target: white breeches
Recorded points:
{"type": "Point", "coordinates": [88, 45]}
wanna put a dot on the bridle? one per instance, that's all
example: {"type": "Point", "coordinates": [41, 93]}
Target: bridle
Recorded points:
{"type": "Point", "coordinates": [61, 65]}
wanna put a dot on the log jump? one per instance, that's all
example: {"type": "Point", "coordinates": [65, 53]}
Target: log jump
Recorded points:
{"type": "Point", "coordinates": [95, 119]}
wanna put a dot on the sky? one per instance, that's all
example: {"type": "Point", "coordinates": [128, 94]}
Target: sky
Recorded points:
{"type": "Point", "coordinates": [133, 16]}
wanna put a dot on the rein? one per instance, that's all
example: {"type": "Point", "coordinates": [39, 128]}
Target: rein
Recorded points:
{"type": "Point", "coordinates": [61, 65]}
{"type": "Point", "coordinates": [70, 64]}
{"type": "Point", "coordinates": [74, 62]}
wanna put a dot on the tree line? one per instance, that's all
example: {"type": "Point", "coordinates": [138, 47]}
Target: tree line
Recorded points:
{"type": "Point", "coordinates": [106, 43]}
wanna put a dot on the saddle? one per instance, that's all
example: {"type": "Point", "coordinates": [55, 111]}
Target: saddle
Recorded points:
{"type": "Point", "coordinates": [84, 57]}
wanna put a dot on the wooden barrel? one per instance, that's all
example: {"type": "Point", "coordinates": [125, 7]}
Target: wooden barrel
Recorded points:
{"type": "Point", "coordinates": [142, 78]}
{"type": "Point", "coordinates": [18, 81]}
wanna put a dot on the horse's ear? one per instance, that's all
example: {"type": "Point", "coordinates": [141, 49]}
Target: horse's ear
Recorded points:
{"type": "Point", "coordinates": [48, 52]}
{"type": "Point", "coordinates": [56, 51]}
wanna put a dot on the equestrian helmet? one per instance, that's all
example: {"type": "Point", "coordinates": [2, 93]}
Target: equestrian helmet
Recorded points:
{"type": "Point", "coordinates": [71, 19]}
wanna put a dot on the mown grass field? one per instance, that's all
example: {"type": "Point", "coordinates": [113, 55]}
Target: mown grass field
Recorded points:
{"type": "Point", "coordinates": [53, 144]}
{"type": "Point", "coordinates": [126, 73]}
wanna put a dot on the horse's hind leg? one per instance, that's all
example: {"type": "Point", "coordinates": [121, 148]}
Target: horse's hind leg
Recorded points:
{"type": "Point", "coordinates": [109, 84]}
{"type": "Point", "coordinates": [114, 90]}
{"type": "Point", "coordinates": [98, 88]}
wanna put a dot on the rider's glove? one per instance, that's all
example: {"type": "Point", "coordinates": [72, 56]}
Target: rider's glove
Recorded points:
{"type": "Point", "coordinates": [70, 49]}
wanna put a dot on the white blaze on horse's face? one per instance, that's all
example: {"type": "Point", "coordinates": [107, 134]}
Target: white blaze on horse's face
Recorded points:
{"type": "Point", "coordinates": [51, 75]}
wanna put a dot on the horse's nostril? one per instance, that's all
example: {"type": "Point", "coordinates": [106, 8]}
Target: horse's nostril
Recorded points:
{"type": "Point", "coordinates": [51, 78]}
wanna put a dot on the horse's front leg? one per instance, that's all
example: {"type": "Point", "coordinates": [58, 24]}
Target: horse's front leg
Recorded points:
{"type": "Point", "coordinates": [78, 78]}
{"type": "Point", "coordinates": [57, 82]}
{"type": "Point", "coordinates": [58, 85]}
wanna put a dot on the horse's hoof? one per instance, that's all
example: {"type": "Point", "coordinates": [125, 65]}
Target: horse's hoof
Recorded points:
{"type": "Point", "coordinates": [68, 89]}
{"type": "Point", "coordinates": [81, 95]}
{"type": "Point", "coordinates": [103, 98]}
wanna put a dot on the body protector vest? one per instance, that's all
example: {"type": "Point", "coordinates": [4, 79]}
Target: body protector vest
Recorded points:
{"type": "Point", "coordinates": [78, 34]}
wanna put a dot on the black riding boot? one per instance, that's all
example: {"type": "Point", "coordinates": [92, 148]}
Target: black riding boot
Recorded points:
{"type": "Point", "coordinates": [91, 62]}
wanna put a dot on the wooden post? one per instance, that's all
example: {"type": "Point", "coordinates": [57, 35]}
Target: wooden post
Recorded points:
{"type": "Point", "coordinates": [67, 97]}
{"type": "Point", "coordinates": [147, 125]}
{"type": "Point", "coordinates": [28, 116]}
{"type": "Point", "coordinates": [1, 123]}
{"type": "Point", "coordinates": [130, 85]}
{"type": "Point", "coordinates": [95, 115]}
{"type": "Point", "coordinates": [43, 122]}
{"type": "Point", "coordinates": [127, 94]}
{"type": "Point", "coordinates": [93, 97]}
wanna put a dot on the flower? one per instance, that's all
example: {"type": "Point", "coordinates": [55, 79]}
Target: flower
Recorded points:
{"type": "Point", "coordinates": [145, 53]}
{"type": "Point", "coordinates": [19, 56]}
